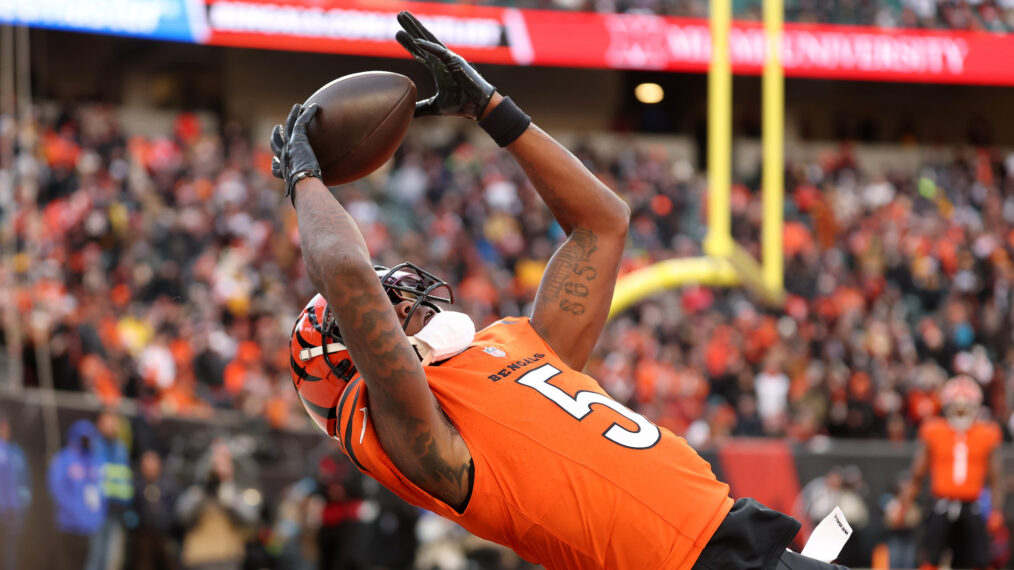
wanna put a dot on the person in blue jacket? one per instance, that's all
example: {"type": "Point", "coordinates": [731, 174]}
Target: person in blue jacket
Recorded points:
{"type": "Point", "coordinates": [107, 548]}
{"type": "Point", "coordinates": [75, 482]}
{"type": "Point", "coordinates": [15, 494]}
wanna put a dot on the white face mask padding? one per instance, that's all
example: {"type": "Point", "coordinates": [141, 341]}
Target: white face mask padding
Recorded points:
{"type": "Point", "coordinates": [448, 333]}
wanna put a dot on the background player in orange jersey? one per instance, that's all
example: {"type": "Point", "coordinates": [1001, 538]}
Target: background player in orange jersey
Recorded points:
{"type": "Point", "coordinates": [960, 454]}
{"type": "Point", "coordinates": [498, 430]}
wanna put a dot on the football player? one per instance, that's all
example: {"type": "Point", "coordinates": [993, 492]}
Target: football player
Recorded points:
{"type": "Point", "coordinates": [499, 430]}
{"type": "Point", "coordinates": [961, 453]}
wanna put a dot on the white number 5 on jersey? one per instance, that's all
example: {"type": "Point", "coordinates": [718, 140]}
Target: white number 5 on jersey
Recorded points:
{"type": "Point", "coordinates": [580, 405]}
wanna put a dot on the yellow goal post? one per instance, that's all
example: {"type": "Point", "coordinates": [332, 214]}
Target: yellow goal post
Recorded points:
{"type": "Point", "coordinates": [726, 263]}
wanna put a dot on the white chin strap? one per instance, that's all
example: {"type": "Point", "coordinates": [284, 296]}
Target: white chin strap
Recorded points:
{"type": "Point", "coordinates": [448, 333]}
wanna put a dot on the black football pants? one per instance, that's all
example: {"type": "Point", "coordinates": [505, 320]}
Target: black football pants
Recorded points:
{"type": "Point", "coordinates": [754, 537]}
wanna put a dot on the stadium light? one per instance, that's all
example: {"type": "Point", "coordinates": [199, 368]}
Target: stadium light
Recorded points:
{"type": "Point", "coordinates": [649, 93]}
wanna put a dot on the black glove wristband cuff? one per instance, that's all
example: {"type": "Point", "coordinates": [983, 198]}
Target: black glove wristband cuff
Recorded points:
{"type": "Point", "coordinates": [290, 190]}
{"type": "Point", "coordinates": [505, 123]}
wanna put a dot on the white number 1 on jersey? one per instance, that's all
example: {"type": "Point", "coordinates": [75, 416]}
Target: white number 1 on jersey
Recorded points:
{"type": "Point", "coordinates": [579, 405]}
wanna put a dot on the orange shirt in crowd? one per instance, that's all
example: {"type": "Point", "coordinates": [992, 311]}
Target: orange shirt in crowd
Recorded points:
{"type": "Point", "coordinates": [564, 475]}
{"type": "Point", "coordinates": [959, 460]}
{"type": "Point", "coordinates": [248, 354]}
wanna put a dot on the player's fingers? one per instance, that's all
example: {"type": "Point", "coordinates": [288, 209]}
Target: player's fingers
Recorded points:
{"type": "Point", "coordinates": [426, 107]}
{"type": "Point", "coordinates": [437, 50]}
{"type": "Point", "coordinates": [426, 33]}
{"type": "Point", "coordinates": [406, 42]}
{"type": "Point", "coordinates": [408, 23]}
{"type": "Point", "coordinates": [306, 116]}
{"type": "Point", "coordinates": [277, 139]}
{"type": "Point", "coordinates": [276, 168]}
{"type": "Point", "coordinates": [415, 28]}
{"type": "Point", "coordinates": [291, 121]}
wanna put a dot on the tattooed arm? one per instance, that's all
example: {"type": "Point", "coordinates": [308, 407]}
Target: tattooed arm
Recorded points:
{"type": "Point", "coordinates": [572, 302]}
{"type": "Point", "coordinates": [412, 428]}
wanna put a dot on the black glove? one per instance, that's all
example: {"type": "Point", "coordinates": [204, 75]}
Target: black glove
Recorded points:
{"type": "Point", "coordinates": [294, 159]}
{"type": "Point", "coordinates": [461, 90]}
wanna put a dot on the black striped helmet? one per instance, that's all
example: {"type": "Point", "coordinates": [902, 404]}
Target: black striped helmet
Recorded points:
{"type": "Point", "coordinates": [321, 364]}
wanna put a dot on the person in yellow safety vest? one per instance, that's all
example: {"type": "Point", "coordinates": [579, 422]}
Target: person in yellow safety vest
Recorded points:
{"type": "Point", "coordinates": [106, 551]}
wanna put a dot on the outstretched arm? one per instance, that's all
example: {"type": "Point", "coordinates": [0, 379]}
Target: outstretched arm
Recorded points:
{"type": "Point", "coordinates": [413, 430]}
{"type": "Point", "coordinates": [573, 299]}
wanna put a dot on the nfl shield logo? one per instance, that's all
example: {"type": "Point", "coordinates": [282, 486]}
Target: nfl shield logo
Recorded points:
{"type": "Point", "coordinates": [494, 351]}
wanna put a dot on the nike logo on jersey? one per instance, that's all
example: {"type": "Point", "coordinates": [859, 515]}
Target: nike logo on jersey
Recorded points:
{"type": "Point", "coordinates": [365, 417]}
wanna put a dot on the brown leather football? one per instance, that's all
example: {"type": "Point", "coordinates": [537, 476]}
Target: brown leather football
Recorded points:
{"type": "Point", "coordinates": [361, 122]}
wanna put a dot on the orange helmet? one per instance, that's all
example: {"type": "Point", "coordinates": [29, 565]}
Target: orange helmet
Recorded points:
{"type": "Point", "coordinates": [320, 363]}
{"type": "Point", "coordinates": [961, 398]}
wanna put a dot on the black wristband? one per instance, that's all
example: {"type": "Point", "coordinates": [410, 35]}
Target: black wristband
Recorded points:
{"type": "Point", "coordinates": [505, 123]}
{"type": "Point", "coordinates": [290, 189]}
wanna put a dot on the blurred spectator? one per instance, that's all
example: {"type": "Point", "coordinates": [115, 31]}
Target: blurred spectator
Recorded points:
{"type": "Point", "coordinates": [901, 519]}
{"type": "Point", "coordinates": [75, 483]}
{"type": "Point", "coordinates": [820, 496]}
{"type": "Point", "coordinates": [217, 517]}
{"type": "Point", "coordinates": [107, 549]}
{"type": "Point", "coordinates": [855, 505]}
{"type": "Point", "coordinates": [341, 536]}
{"type": "Point", "coordinates": [749, 423]}
{"type": "Point", "coordinates": [841, 487]}
{"type": "Point", "coordinates": [15, 494]}
{"type": "Point", "coordinates": [293, 536]}
{"type": "Point", "coordinates": [772, 387]}
{"type": "Point", "coordinates": [441, 543]}
{"type": "Point", "coordinates": [154, 502]}
{"type": "Point", "coordinates": [392, 540]}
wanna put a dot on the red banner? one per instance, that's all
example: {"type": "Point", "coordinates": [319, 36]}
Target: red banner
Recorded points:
{"type": "Point", "coordinates": [618, 41]}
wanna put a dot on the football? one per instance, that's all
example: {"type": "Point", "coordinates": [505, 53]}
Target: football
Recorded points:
{"type": "Point", "coordinates": [362, 120]}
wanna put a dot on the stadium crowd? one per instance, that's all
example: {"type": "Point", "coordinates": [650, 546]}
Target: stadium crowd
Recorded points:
{"type": "Point", "coordinates": [167, 270]}
{"type": "Point", "coordinates": [982, 15]}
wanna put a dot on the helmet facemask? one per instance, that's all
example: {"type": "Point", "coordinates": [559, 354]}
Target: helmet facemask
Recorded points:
{"type": "Point", "coordinates": [444, 333]}
{"type": "Point", "coordinates": [409, 282]}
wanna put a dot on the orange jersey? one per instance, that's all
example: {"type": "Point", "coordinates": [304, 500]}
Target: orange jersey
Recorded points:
{"type": "Point", "coordinates": [564, 475]}
{"type": "Point", "coordinates": [958, 460]}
